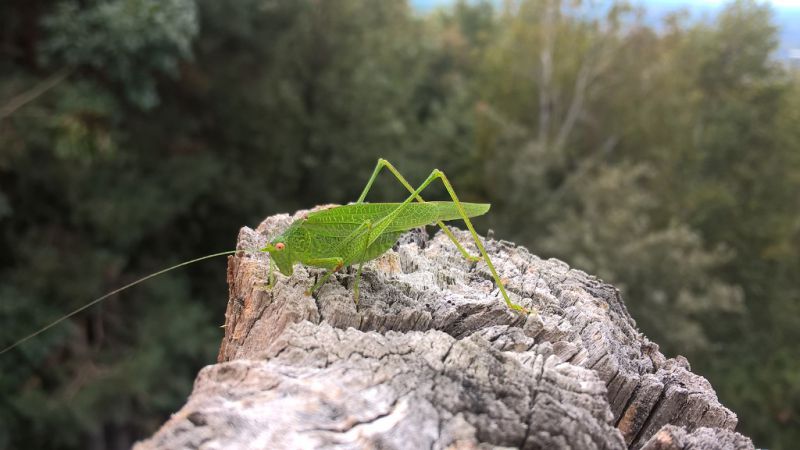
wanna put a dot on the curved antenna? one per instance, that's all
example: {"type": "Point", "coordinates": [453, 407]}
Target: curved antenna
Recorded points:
{"type": "Point", "coordinates": [115, 291]}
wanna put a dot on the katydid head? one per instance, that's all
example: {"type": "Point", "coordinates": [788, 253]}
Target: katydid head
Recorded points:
{"type": "Point", "coordinates": [281, 254]}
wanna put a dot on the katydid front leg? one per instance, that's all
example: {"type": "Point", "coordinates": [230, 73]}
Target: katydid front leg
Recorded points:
{"type": "Point", "coordinates": [271, 275]}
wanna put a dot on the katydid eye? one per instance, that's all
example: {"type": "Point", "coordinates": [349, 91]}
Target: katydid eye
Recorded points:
{"type": "Point", "coordinates": [280, 245]}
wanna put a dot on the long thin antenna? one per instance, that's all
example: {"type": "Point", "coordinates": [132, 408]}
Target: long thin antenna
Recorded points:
{"type": "Point", "coordinates": [116, 291]}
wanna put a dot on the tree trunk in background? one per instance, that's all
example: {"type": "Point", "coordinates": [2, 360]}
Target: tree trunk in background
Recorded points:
{"type": "Point", "coordinates": [433, 359]}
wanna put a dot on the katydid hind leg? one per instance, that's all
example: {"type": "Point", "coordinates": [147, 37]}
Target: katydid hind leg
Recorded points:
{"type": "Point", "coordinates": [481, 249]}
{"type": "Point", "coordinates": [382, 163]}
{"type": "Point", "coordinates": [437, 174]}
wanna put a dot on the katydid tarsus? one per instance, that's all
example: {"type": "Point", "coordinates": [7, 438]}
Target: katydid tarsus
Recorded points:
{"type": "Point", "coordinates": [346, 235]}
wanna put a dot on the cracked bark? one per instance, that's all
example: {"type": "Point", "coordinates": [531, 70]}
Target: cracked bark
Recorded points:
{"type": "Point", "coordinates": [433, 359]}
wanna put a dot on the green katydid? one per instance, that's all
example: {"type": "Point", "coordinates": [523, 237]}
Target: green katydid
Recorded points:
{"type": "Point", "coordinates": [350, 234]}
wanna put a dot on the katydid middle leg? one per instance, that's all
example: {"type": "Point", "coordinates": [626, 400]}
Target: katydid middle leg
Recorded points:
{"type": "Point", "coordinates": [354, 245]}
{"type": "Point", "coordinates": [331, 264]}
{"type": "Point", "coordinates": [356, 283]}
{"type": "Point", "coordinates": [361, 247]}
{"type": "Point", "coordinates": [384, 163]}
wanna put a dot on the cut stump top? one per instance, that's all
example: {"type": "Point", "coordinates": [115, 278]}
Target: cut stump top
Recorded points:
{"type": "Point", "coordinates": [432, 358]}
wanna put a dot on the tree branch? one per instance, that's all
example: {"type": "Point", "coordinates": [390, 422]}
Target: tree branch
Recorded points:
{"type": "Point", "coordinates": [33, 93]}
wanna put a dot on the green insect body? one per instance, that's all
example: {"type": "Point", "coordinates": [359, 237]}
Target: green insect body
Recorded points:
{"type": "Point", "coordinates": [345, 235]}
{"type": "Point", "coordinates": [351, 234]}
{"type": "Point", "coordinates": [330, 233]}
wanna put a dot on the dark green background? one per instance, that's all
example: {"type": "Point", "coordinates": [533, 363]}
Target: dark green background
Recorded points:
{"type": "Point", "coordinates": [665, 161]}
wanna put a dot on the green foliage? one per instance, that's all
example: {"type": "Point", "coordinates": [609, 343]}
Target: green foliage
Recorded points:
{"type": "Point", "coordinates": [666, 161]}
{"type": "Point", "coordinates": [677, 181]}
{"type": "Point", "coordinates": [665, 271]}
{"type": "Point", "coordinates": [128, 42]}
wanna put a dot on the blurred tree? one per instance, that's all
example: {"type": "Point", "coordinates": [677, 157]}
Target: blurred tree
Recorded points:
{"type": "Point", "coordinates": [139, 133]}
{"type": "Point", "coordinates": [746, 194]}
{"type": "Point", "coordinates": [83, 197]}
{"type": "Point", "coordinates": [663, 163]}
{"type": "Point", "coordinates": [125, 42]}
{"type": "Point", "coordinates": [168, 126]}
{"type": "Point", "coordinates": [569, 170]}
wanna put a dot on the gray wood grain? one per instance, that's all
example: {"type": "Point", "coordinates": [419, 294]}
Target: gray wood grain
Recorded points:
{"type": "Point", "coordinates": [432, 358]}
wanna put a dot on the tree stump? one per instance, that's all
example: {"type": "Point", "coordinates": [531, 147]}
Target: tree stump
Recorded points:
{"type": "Point", "coordinates": [432, 358]}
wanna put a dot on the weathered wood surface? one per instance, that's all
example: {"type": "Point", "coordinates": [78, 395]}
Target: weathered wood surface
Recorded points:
{"type": "Point", "coordinates": [432, 358]}
{"type": "Point", "coordinates": [671, 437]}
